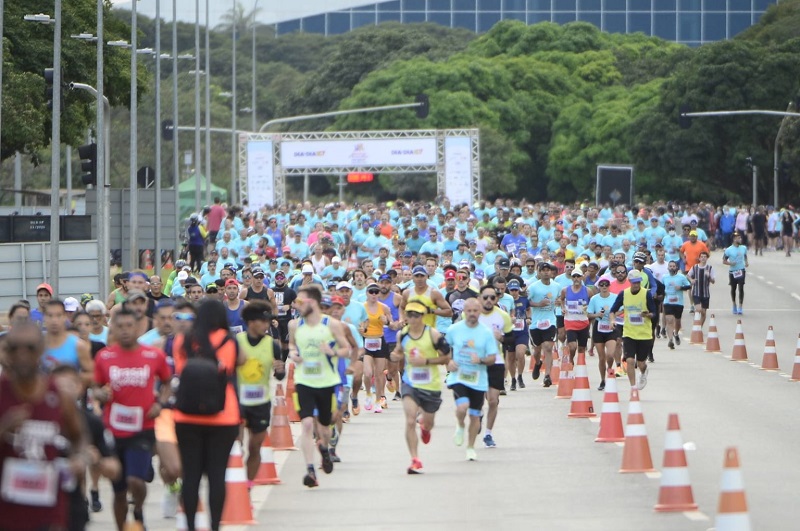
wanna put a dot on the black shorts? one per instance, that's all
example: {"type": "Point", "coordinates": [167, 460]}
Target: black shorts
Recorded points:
{"type": "Point", "coordinates": [773, 234]}
{"type": "Point", "coordinates": [560, 321]}
{"type": "Point", "coordinates": [640, 349]}
{"type": "Point", "coordinates": [382, 353]}
{"type": "Point", "coordinates": [321, 401]}
{"type": "Point", "coordinates": [702, 301]}
{"type": "Point", "coordinates": [428, 401]}
{"type": "Point", "coordinates": [519, 338]}
{"type": "Point", "coordinates": [136, 455]}
{"type": "Point", "coordinates": [256, 418]}
{"type": "Point", "coordinates": [283, 331]}
{"type": "Point", "coordinates": [675, 310]}
{"type": "Point", "coordinates": [539, 336]}
{"type": "Point", "coordinates": [212, 235]}
{"type": "Point", "coordinates": [603, 337]}
{"type": "Point", "coordinates": [736, 281]}
{"type": "Point", "coordinates": [496, 374]}
{"type": "Point", "coordinates": [581, 336]}
{"type": "Point", "coordinates": [475, 398]}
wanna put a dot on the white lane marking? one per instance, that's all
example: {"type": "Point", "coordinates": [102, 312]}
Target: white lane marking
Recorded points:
{"type": "Point", "coordinates": [596, 420]}
{"type": "Point", "coordinates": [771, 283]}
{"type": "Point", "coordinates": [779, 287]}
{"type": "Point", "coordinates": [784, 375]}
{"type": "Point", "coordinates": [760, 277]}
{"type": "Point", "coordinates": [796, 296]}
{"type": "Point", "coordinates": [653, 475]}
{"type": "Point", "coordinates": [696, 516]}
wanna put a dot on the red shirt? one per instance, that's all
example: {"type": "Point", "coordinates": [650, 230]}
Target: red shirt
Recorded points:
{"type": "Point", "coordinates": [131, 375]}
{"type": "Point", "coordinates": [215, 217]}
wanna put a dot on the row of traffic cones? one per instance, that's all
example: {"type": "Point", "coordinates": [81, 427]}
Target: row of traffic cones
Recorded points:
{"type": "Point", "coordinates": [769, 359]}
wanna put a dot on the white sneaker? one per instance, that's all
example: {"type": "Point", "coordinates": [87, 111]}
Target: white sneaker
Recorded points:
{"type": "Point", "coordinates": [169, 504]}
{"type": "Point", "coordinates": [643, 377]}
{"type": "Point", "coordinates": [378, 409]}
{"type": "Point", "coordinates": [369, 402]}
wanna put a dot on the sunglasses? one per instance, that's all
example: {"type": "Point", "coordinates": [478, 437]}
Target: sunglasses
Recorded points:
{"type": "Point", "coordinates": [489, 297]}
{"type": "Point", "coordinates": [373, 291]}
{"type": "Point", "coordinates": [463, 277]}
{"type": "Point", "coordinates": [603, 284]}
{"type": "Point", "coordinates": [184, 316]}
{"type": "Point", "coordinates": [621, 272]}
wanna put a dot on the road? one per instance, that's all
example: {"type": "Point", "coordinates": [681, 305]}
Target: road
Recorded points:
{"type": "Point", "coordinates": [547, 471]}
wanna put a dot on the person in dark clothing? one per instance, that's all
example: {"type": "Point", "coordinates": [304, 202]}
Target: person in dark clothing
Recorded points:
{"type": "Point", "coordinates": [197, 238]}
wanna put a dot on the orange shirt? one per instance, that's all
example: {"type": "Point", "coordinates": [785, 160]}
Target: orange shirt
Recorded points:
{"type": "Point", "coordinates": [226, 354]}
{"type": "Point", "coordinates": [692, 252]}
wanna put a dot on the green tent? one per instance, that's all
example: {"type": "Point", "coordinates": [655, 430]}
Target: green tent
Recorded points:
{"type": "Point", "coordinates": [186, 189]}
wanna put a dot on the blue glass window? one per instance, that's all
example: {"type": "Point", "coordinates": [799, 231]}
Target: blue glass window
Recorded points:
{"type": "Point", "coordinates": [315, 24]}
{"type": "Point", "coordinates": [665, 26]}
{"type": "Point", "coordinates": [593, 18]}
{"type": "Point", "coordinates": [538, 5]}
{"type": "Point", "coordinates": [564, 18]}
{"type": "Point", "coordinates": [689, 5]}
{"type": "Point", "coordinates": [389, 6]}
{"type": "Point", "coordinates": [689, 27]}
{"type": "Point", "coordinates": [714, 27]}
{"type": "Point", "coordinates": [759, 6]}
{"type": "Point", "coordinates": [614, 22]}
{"type": "Point", "coordinates": [615, 5]}
{"type": "Point", "coordinates": [489, 5]}
{"type": "Point", "coordinates": [665, 5]}
{"type": "Point", "coordinates": [715, 5]}
{"type": "Point", "coordinates": [413, 5]}
{"type": "Point", "coordinates": [440, 17]}
{"type": "Point", "coordinates": [538, 16]}
{"type": "Point", "coordinates": [739, 5]}
{"type": "Point", "coordinates": [363, 19]}
{"type": "Point", "coordinates": [411, 16]}
{"type": "Point", "coordinates": [639, 22]}
{"type": "Point", "coordinates": [464, 5]}
{"type": "Point", "coordinates": [487, 20]}
{"type": "Point", "coordinates": [389, 16]}
{"type": "Point", "coordinates": [738, 22]}
{"type": "Point", "coordinates": [513, 5]}
{"type": "Point", "coordinates": [464, 20]}
{"type": "Point", "coordinates": [589, 5]}
{"type": "Point", "coordinates": [640, 5]}
{"type": "Point", "coordinates": [564, 5]}
{"type": "Point", "coordinates": [292, 25]}
{"type": "Point", "coordinates": [438, 5]}
{"type": "Point", "coordinates": [514, 15]}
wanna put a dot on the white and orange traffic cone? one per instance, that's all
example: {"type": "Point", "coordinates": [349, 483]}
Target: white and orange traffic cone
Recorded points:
{"type": "Point", "coordinates": [566, 382]}
{"type": "Point", "coordinates": [697, 331]}
{"type": "Point", "coordinates": [636, 452]}
{"type": "Point", "coordinates": [675, 493]}
{"type": "Point", "coordinates": [202, 522]}
{"type": "Point", "coordinates": [280, 433]}
{"type": "Point", "coordinates": [582, 405]}
{"type": "Point", "coordinates": [237, 509]}
{"type": "Point", "coordinates": [712, 342]}
{"type": "Point", "coordinates": [555, 369]}
{"type": "Point", "coordinates": [796, 369]}
{"type": "Point", "coordinates": [732, 512]}
{"type": "Point", "coordinates": [610, 416]}
{"type": "Point", "coordinates": [739, 348]}
{"type": "Point", "coordinates": [769, 362]}
{"type": "Point", "coordinates": [267, 473]}
{"type": "Point", "coordinates": [294, 416]}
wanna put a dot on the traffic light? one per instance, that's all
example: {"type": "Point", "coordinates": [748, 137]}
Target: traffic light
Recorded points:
{"type": "Point", "coordinates": [685, 121]}
{"type": "Point", "coordinates": [424, 107]}
{"type": "Point", "coordinates": [49, 77]}
{"type": "Point", "coordinates": [88, 154]}
{"type": "Point", "coordinates": [167, 131]}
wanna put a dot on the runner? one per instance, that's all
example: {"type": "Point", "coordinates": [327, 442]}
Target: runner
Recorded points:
{"type": "Point", "coordinates": [604, 333]}
{"type": "Point", "coordinates": [544, 296]}
{"type": "Point", "coordinates": [63, 348]}
{"type": "Point", "coordinates": [234, 306]}
{"type": "Point", "coordinates": [702, 275]}
{"type": "Point", "coordinates": [499, 322]}
{"type": "Point", "coordinates": [124, 375]}
{"type": "Point", "coordinates": [518, 345]}
{"type": "Point", "coordinates": [313, 340]}
{"type": "Point", "coordinates": [575, 302]}
{"type": "Point", "coordinates": [735, 257]}
{"type": "Point", "coordinates": [424, 350]}
{"type": "Point", "coordinates": [356, 315]}
{"type": "Point", "coordinates": [675, 284]}
{"type": "Point", "coordinates": [421, 291]}
{"type": "Point", "coordinates": [264, 357]}
{"type": "Point", "coordinates": [474, 348]}
{"type": "Point", "coordinates": [392, 300]}
{"type": "Point", "coordinates": [376, 351]}
{"type": "Point", "coordinates": [284, 298]}
{"type": "Point", "coordinates": [637, 330]}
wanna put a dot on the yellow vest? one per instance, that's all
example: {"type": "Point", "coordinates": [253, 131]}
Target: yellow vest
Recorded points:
{"type": "Point", "coordinates": [317, 369]}
{"type": "Point", "coordinates": [636, 326]}
{"type": "Point", "coordinates": [427, 377]}
{"type": "Point", "coordinates": [254, 375]}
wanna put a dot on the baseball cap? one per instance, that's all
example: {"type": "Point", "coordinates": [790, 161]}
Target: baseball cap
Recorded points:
{"type": "Point", "coordinates": [231, 282]}
{"type": "Point", "coordinates": [343, 285]}
{"type": "Point", "coordinates": [634, 276]}
{"type": "Point", "coordinates": [692, 233]}
{"type": "Point", "coordinates": [479, 253]}
{"type": "Point", "coordinates": [449, 274]}
{"type": "Point", "coordinates": [308, 269]}
{"type": "Point", "coordinates": [45, 286]}
{"type": "Point", "coordinates": [479, 274]}
{"type": "Point", "coordinates": [258, 272]}
{"type": "Point", "coordinates": [71, 304]}
{"type": "Point", "coordinates": [191, 281]}
{"type": "Point", "coordinates": [419, 270]}
{"type": "Point", "coordinates": [135, 294]}
{"type": "Point", "coordinates": [385, 276]}
{"type": "Point", "coordinates": [513, 285]}
{"type": "Point", "coordinates": [504, 263]}
{"type": "Point", "coordinates": [372, 285]}
{"type": "Point", "coordinates": [212, 288]}
{"type": "Point", "coordinates": [604, 280]}
{"type": "Point", "coordinates": [406, 254]}
{"type": "Point", "coordinates": [335, 299]}
{"type": "Point", "coordinates": [183, 275]}
{"type": "Point", "coordinates": [416, 306]}
{"type": "Point", "coordinates": [280, 273]}
{"type": "Point", "coordinates": [86, 297]}
{"type": "Point", "coordinates": [576, 273]}
{"type": "Point", "coordinates": [639, 257]}
{"type": "Point", "coordinates": [336, 260]}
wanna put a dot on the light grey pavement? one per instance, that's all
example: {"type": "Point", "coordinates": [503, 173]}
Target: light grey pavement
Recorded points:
{"type": "Point", "coordinates": [547, 472]}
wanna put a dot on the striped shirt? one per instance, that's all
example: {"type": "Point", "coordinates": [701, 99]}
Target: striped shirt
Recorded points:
{"type": "Point", "coordinates": [702, 277]}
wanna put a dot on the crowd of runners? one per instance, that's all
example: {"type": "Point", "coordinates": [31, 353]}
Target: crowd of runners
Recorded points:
{"type": "Point", "coordinates": [373, 305]}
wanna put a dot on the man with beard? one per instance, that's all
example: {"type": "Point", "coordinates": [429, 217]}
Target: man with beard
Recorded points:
{"type": "Point", "coordinates": [283, 298]}
{"type": "Point", "coordinates": [460, 294]}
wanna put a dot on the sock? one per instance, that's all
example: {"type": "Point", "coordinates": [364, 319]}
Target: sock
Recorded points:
{"type": "Point", "coordinates": [488, 431]}
{"type": "Point", "coordinates": [311, 470]}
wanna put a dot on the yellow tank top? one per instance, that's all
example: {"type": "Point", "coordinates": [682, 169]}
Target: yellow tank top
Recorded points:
{"type": "Point", "coordinates": [317, 369]}
{"type": "Point", "coordinates": [636, 326]}
{"type": "Point", "coordinates": [374, 324]}
{"type": "Point", "coordinates": [429, 319]}
{"type": "Point", "coordinates": [427, 377]}
{"type": "Point", "coordinates": [254, 375]}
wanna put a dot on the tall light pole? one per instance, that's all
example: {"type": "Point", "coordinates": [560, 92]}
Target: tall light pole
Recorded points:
{"type": "Point", "coordinates": [208, 108]}
{"type": "Point", "coordinates": [133, 262]}
{"type": "Point", "coordinates": [776, 157]}
{"type": "Point", "coordinates": [196, 158]}
{"type": "Point", "coordinates": [103, 163]}
{"type": "Point", "coordinates": [157, 217]}
{"type": "Point", "coordinates": [234, 110]}
{"type": "Point", "coordinates": [176, 163]}
{"type": "Point", "coordinates": [253, 80]}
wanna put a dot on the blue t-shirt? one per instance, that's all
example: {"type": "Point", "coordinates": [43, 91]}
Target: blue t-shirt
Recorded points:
{"type": "Point", "coordinates": [543, 317]}
{"type": "Point", "coordinates": [736, 255]}
{"type": "Point", "coordinates": [673, 288]}
{"type": "Point", "coordinates": [597, 303]}
{"type": "Point", "coordinates": [466, 341]}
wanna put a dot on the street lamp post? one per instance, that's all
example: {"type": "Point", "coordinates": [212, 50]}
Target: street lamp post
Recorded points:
{"type": "Point", "coordinates": [234, 180]}
{"type": "Point", "coordinates": [157, 218]}
{"type": "Point", "coordinates": [253, 80]}
{"type": "Point", "coordinates": [208, 108]}
{"type": "Point", "coordinates": [196, 158]}
{"type": "Point", "coordinates": [134, 185]}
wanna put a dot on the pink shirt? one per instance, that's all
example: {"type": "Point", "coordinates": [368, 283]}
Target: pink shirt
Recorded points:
{"type": "Point", "coordinates": [215, 217]}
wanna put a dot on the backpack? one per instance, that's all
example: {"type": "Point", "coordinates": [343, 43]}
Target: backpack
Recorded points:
{"type": "Point", "coordinates": [202, 386]}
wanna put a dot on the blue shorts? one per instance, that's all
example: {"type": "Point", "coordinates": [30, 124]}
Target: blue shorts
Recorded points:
{"type": "Point", "coordinates": [136, 455]}
{"type": "Point", "coordinates": [521, 338]}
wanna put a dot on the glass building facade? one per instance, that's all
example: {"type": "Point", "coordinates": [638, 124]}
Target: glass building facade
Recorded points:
{"type": "Point", "coordinates": [691, 22]}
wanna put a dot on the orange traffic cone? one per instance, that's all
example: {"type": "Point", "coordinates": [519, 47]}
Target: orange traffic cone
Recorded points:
{"type": "Point", "coordinates": [712, 342]}
{"type": "Point", "coordinates": [732, 512]}
{"type": "Point", "coordinates": [796, 369]}
{"type": "Point", "coordinates": [770, 360]}
{"type": "Point", "coordinates": [280, 433]}
{"type": "Point", "coordinates": [567, 381]}
{"type": "Point", "coordinates": [201, 520]}
{"type": "Point", "coordinates": [290, 390]}
{"type": "Point", "coordinates": [675, 493]}
{"type": "Point", "coordinates": [555, 370]}
{"type": "Point", "coordinates": [636, 453]}
{"type": "Point", "coordinates": [267, 473]}
{"type": "Point", "coordinates": [237, 509]}
{"type": "Point", "coordinates": [582, 405]}
{"type": "Point", "coordinates": [610, 417]}
{"type": "Point", "coordinates": [697, 331]}
{"type": "Point", "coordinates": [739, 348]}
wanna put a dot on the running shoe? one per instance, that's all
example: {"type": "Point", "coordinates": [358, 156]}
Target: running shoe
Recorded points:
{"type": "Point", "coordinates": [310, 480]}
{"type": "Point", "coordinates": [548, 381]}
{"type": "Point", "coordinates": [643, 378]}
{"type": "Point", "coordinates": [677, 339]}
{"type": "Point", "coordinates": [602, 386]}
{"type": "Point", "coordinates": [327, 462]}
{"type": "Point", "coordinates": [425, 435]}
{"type": "Point", "coordinates": [740, 311]}
{"type": "Point", "coordinates": [503, 392]}
{"type": "Point", "coordinates": [735, 310]}
{"type": "Point", "coordinates": [335, 458]}
{"type": "Point", "coordinates": [369, 402]}
{"type": "Point", "coordinates": [650, 359]}
{"type": "Point", "coordinates": [397, 396]}
{"type": "Point", "coordinates": [389, 382]}
{"type": "Point", "coordinates": [621, 371]}
{"type": "Point", "coordinates": [513, 384]}
{"type": "Point", "coordinates": [458, 436]}
{"type": "Point", "coordinates": [416, 467]}
{"type": "Point", "coordinates": [383, 402]}
{"type": "Point", "coordinates": [356, 408]}
{"type": "Point", "coordinates": [520, 382]}
{"type": "Point", "coordinates": [169, 501]}
{"type": "Point", "coordinates": [537, 370]}
{"type": "Point", "coordinates": [334, 436]}
{"type": "Point", "coordinates": [346, 416]}
{"type": "Point", "coordinates": [671, 345]}
{"type": "Point", "coordinates": [489, 441]}
{"type": "Point", "coordinates": [378, 409]}
{"type": "Point", "coordinates": [96, 505]}
{"type": "Point", "coordinates": [472, 455]}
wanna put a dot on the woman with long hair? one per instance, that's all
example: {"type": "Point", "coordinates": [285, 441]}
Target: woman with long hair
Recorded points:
{"type": "Point", "coordinates": [787, 231]}
{"type": "Point", "coordinates": [205, 440]}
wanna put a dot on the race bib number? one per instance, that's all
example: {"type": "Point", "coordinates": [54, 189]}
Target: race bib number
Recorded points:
{"type": "Point", "coordinates": [543, 324]}
{"type": "Point", "coordinates": [468, 377]}
{"type": "Point", "coordinates": [511, 248]}
{"type": "Point", "coordinates": [635, 317]}
{"type": "Point", "coordinates": [573, 307]}
{"type": "Point", "coordinates": [33, 483]}
{"type": "Point", "coordinates": [125, 418]}
{"type": "Point", "coordinates": [312, 368]}
{"type": "Point", "coordinates": [252, 394]}
{"type": "Point", "coordinates": [372, 344]}
{"type": "Point", "coordinates": [604, 327]}
{"type": "Point", "coordinates": [519, 324]}
{"type": "Point", "coordinates": [420, 375]}
{"type": "Point", "coordinates": [672, 300]}
{"type": "Point", "coordinates": [619, 319]}
{"type": "Point", "coordinates": [236, 329]}
{"type": "Point", "coordinates": [739, 273]}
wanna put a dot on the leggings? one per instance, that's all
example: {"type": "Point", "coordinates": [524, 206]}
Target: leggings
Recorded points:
{"type": "Point", "coordinates": [204, 450]}
{"type": "Point", "coordinates": [741, 293]}
{"type": "Point", "coordinates": [196, 252]}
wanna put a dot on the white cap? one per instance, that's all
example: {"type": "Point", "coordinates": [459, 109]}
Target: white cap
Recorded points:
{"type": "Point", "coordinates": [307, 269]}
{"type": "Point", "coordinates": [183, 275]}
{"type": "Point", "coordinates": [343, 284]}
{"type": "Point", "coordinates": [71, 304]}
{"type": "Point", "coordinates": [336, 260]}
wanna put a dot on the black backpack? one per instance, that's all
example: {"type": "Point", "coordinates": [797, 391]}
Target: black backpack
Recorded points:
{"type": "Point", "coordinates": [202, 386]}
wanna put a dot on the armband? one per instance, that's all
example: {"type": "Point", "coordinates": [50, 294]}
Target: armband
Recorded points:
{"type": "Point", "coordinates": [442, 345]}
